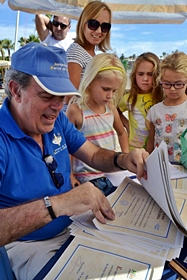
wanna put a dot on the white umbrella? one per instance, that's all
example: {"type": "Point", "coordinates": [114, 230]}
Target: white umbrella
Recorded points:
{"type": "Point", "coordinates": [123, 11]}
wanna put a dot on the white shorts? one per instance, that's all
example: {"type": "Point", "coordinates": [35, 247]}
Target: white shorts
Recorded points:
{"type": "Point", "coordinates": [27, 258]}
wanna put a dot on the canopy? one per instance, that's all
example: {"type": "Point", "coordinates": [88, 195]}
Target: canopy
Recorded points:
{"type": "Point", "coordinates": [123, 11]}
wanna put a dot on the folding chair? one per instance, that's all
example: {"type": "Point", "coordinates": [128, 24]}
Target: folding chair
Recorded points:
{"type": "Point", "coordinates": [5, 268]}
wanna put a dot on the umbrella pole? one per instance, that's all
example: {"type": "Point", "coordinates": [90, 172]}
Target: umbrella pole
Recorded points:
{"type": "Point", "coordinates": [16, 31]}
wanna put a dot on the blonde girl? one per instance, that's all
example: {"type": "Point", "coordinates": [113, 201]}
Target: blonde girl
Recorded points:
{"type": "Point", "coordinates": [168, 119]}
{"type": "Point", "coordinates": [96, 115]}
{"type": "Point", "coordinates": [144, 92]}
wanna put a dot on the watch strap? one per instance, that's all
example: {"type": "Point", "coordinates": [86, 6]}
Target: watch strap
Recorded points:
{"type": "Point", "coordinates": [115, 161]}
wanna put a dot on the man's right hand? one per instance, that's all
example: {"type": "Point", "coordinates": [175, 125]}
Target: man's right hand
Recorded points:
{"type": "Point", "coordinates": [81, 199]}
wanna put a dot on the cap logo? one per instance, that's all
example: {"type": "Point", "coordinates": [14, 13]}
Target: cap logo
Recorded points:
{"type": "Point", "coordinates": [59, 66]}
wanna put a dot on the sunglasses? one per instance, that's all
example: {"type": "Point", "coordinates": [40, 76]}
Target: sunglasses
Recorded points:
{"type": "Point", "coordinates": [52, 165]}
{"type": "Point", "coordinates": [62, 25]}
{"type": "Point", "coordinates": [178, 85]}
{"type": "Point", "coordinates": [93, 24]}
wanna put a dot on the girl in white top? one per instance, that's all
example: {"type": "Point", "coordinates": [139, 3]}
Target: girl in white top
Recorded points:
{"type": "Point", "coordinates": [168, 119]}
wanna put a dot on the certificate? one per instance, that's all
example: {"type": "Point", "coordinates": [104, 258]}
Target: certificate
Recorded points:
{"type": "Point", "coordinates": [85, 259]}
{"type": "Point", "coordinates": [138, 215]}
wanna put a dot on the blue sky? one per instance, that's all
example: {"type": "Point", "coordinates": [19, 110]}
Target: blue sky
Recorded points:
{"type": "Point", "coordinates": [128, 39]}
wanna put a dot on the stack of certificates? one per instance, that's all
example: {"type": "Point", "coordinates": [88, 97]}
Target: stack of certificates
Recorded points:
{"type": "Point", "coordinates": [149, 229]}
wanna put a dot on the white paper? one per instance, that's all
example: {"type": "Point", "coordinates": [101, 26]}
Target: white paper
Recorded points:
{"type": "Point", "coordinates": [85, 259]}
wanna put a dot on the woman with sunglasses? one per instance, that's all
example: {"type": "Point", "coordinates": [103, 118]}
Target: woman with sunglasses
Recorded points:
{"type": "Point", "coordinates": [93, 30]}
{"type": "Point", "coordinates": [168, 119]}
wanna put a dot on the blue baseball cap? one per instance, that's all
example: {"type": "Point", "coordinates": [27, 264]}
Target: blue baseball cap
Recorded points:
{"type": "Point", "coordinates": [48, 67]}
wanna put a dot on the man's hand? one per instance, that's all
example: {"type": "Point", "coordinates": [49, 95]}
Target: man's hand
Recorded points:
{"type": "Point", "coordinates": [134, 162]}
{"type": "Point", "coordinates": [81, 199]}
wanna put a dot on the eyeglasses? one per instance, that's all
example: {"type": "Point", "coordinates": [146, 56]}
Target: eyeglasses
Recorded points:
{"type": "Point", "coordinates": [52, 166]}
{"type": "Point", "coordinates": [93, 24]}
{"type": "Point", "coordinates": [167, 85]}
{"type": "Point", "coordinates": [62, 25]}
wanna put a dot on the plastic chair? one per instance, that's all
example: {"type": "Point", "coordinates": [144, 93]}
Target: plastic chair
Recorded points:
{"type": "Point", "coordinates": [5, 268]}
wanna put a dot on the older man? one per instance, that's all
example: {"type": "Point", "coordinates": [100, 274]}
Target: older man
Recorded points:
{"type": "Point", "coordinates": [53, 33]}
{"type": "Point", "coordinates": [36, 198]}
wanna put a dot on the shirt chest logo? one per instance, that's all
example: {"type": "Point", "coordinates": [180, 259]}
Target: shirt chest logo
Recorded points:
{"type": "Point", "coordinates": [57, 139]}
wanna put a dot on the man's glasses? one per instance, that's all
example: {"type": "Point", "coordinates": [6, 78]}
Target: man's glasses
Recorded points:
{"type": "Point", "coordinates": [52, 166]}
{"type": "Point", "coordinates": [93, 24]}
{"type": "Point", "coordinates": [62, 25]}
{"type": "Point", "coordinates": [178, 85]}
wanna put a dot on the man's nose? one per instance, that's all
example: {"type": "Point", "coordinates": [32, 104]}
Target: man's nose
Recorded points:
{"type": "Point", "coordinates": [59, 27]}
{"type": "Point", "coordinates": [57, 102]}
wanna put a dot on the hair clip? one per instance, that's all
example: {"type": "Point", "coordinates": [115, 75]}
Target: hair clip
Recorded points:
{"type": "Point", "coordinates": [112, 68]}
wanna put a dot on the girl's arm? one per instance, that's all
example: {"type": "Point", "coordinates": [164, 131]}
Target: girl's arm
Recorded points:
{"type": "Point", "coordinates": [74, 70]}
{"type": "Point", "coordinates": [121, 132]}
{"type": "Point", "coordinates": [74, 181]}
{"type": "Point", "coordinates": [74, 115]}
{"type": "Point", "coordinates": [124, 120]}
{"type": "Point", "coordinates": [150, 143]}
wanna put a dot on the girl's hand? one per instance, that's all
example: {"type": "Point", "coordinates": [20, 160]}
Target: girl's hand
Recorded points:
{"type": "Point", "coordinates": [74, 181]}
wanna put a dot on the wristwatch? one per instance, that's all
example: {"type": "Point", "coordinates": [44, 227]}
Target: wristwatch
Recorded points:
{"type": "Point", "coordinates": [115, 161]}
{"type": "Point", "coordinates": [49, 207]}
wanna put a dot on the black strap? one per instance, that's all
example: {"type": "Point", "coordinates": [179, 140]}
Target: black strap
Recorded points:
{"type": "Point", "coordinates": [115, 161]}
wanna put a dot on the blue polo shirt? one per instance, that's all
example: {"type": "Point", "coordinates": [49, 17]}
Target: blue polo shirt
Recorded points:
{"type": "Point", "coordinates": [24, 175]}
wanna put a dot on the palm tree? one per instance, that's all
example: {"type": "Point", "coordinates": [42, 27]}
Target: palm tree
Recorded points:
{"type": "Point", "coordinates": [164, 54]}
{"type": "Point", "coordinates": [32, 38]}
{"type": "Point", "coordinates": [49, 16]}
{"type": "Point", "coordinates": [22, 41]}
{"type": "Point", "coordinates": [134, 56]}
{"type": "Point", "coordinates": [8, 45]}
{"type": "Point", "coordinates": [122, 57]}
{"type": "Point", "coordinates": [2, 49]}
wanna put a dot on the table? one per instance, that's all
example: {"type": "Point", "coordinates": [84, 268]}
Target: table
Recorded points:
{"type": "Point", "coordinates": [168, 273]}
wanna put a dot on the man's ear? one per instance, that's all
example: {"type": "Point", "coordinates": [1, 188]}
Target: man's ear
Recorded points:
{"type": "Point", "coordinates": [14, 88]}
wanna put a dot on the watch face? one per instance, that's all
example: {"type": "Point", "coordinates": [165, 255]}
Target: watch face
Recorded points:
{"type": "Point", "coordinates": [47, 201]}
